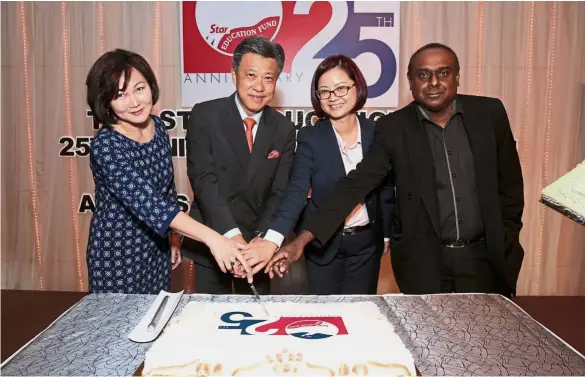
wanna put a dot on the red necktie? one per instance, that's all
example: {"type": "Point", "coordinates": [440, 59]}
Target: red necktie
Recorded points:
{"type": "Point", "coordinates": [353, 213]}
{"type": "Point", "coordinates": [249, 122]}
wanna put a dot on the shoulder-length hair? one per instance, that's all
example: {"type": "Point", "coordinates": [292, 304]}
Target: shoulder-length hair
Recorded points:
{"type": "Point", "coordinates": [354, 73]}
{"type": "Point", "coordinates": [103, 82]}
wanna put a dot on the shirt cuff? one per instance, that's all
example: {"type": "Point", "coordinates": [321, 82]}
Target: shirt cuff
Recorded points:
{"type": "Point", "coordinates": [165, 227]}
{"type": "Point", "coordinates": [274, 237]}
{"type": "Point", "coordinates": [233, 232]}
{"type": "Point", "coordinates": [386, 239]}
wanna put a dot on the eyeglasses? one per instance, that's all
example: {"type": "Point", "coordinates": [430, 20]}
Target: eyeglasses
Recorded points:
{"type": "Point", "coordinates": [340, 91]}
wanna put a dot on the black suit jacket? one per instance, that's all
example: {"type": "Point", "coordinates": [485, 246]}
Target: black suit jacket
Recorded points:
{"type": "Point", "coordinates": [401, 148]}
{"type": "Point", "coordinates": [232, 187]}
{"type": "Point", "coordinates": [318, 165]}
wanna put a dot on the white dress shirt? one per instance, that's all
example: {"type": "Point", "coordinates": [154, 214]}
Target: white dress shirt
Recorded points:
{"type": "Point", "coordinates": [351, 156]}
{"type": "Point", "coordinates": [243, 115]}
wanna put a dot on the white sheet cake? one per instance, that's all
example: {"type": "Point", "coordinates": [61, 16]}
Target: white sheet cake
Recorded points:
{"type": "Point", "coordinates": [232, 339]}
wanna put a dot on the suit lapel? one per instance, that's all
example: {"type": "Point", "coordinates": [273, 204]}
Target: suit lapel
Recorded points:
{"type": "Point", "coordinates": [331, 149]}
{"type": "Point", "coordinates": [482, 145]}
{"type": "Point", "coordinates": [423, 165]}
{"type": "Point", "coordinates": [234, 131]}
{"type": "Point", "coordinates": [262, 142]}
{"type": "Point", "coordinates": [367, 134]}
{"type": "Point", "coordinates": [367, 130]}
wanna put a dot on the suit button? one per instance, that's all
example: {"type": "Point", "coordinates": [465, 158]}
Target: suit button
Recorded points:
{"type": "Point", "coordinates": [415, 238]}
{"type": "Point", "coordinates": [259, 205]}
{"type": "Point", "coordinates": [409, 196]}
{"type": "Point", "coordinates": [222, 168]}
{"type": "Point", "coordinates": [231, 200]}
{"type": "Point", "coordinates": [373, 221]}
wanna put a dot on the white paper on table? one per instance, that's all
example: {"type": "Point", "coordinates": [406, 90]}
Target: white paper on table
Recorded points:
{"type": "Point", "coordinates": [140, 334]}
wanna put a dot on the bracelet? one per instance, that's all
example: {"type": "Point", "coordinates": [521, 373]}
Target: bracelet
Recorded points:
{"type": "Point", "coordinates": [175, 233]}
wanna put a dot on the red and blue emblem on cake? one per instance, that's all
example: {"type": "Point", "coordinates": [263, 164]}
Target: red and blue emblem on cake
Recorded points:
{"type": "Point", "coordinates": [313, 328]}
{"type": "Point", "coordinates": [300, 327]}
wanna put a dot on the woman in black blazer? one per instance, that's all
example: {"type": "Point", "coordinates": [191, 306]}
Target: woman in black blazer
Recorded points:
{"type": "Point", "coordinates": [349, 263]}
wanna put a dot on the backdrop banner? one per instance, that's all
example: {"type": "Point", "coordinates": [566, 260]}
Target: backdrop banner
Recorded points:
{"type": "Point", "coordinates": [309, 31]}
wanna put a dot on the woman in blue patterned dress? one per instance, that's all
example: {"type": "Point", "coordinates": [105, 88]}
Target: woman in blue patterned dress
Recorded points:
{"type": "Point", "coordinates": [137, 227]}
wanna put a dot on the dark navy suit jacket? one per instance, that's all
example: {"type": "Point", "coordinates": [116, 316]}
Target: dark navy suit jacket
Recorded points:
{"type": "Point", "coordinates": [318, 165]}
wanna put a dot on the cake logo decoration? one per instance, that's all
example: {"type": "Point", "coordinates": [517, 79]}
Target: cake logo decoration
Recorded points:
{"type": "Point", "coordinates": [312, 329]}
{"type": "Point", "coordinates": [299, 327]}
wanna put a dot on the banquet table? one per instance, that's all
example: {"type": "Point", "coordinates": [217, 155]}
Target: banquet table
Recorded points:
{"type": "Point", "coordinates": [456, 334]}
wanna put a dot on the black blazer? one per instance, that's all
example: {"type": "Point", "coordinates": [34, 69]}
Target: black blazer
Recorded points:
{"type": "Point", "coordinates": [401, 148]}
{"type": "Point", "coordinates": [232, 187]}
{"type": "Point", "coordinates": [318, 164]}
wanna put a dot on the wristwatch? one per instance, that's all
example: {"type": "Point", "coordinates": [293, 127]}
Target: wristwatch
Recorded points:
{"type": "Point", "coordinates": [174, 232]}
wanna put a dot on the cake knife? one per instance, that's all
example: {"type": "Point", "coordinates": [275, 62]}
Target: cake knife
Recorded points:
{"type": "Point", "coordinates": [258, 297]}
{"type": "Point", "coordinates": [157, 315]}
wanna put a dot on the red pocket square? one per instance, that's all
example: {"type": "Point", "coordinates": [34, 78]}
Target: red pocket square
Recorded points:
{"type": "Point", "coordinates": [273, 154]}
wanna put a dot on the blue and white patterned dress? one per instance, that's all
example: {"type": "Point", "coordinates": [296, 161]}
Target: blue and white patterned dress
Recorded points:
{"type": "Point", "coordinates": [136, 200]}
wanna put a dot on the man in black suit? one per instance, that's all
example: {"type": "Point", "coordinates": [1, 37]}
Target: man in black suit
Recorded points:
{"type": "Point", "coordinates": [239, 155]}
{"type": "Point", "coordinates": [459, 187]}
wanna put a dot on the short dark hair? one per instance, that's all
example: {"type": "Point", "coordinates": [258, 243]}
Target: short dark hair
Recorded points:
{"type": "Point", "coordinates": [103, 82]}
{"type": "Point", "coordinates": [354, 73]}
{"type": "Point", "coordinates": [261, 46]}
{"type": "Point", "coordinates": [430, 46]}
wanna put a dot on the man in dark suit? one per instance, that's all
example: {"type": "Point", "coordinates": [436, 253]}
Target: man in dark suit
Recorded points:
{"type": "Point", "coordinates": [239, 154]}
{"type": "Point", "coordinates": [459, 187]}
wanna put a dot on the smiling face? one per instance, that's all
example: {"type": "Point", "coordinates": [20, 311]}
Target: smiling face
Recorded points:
{"type": "Point", "coordinates": [133, 105]}
{"type": "Point", "coordinates": [338, 105]}
{"type": "Point", "coordinates": [255, 81]}
{"type": "Point", "coordinates": [434, 79]}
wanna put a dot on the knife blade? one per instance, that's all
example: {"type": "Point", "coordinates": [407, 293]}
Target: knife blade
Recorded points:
{"type": "Point", "coordinates": [157, 315]}
{"type": "Point", "coordinates": [258, 297]}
